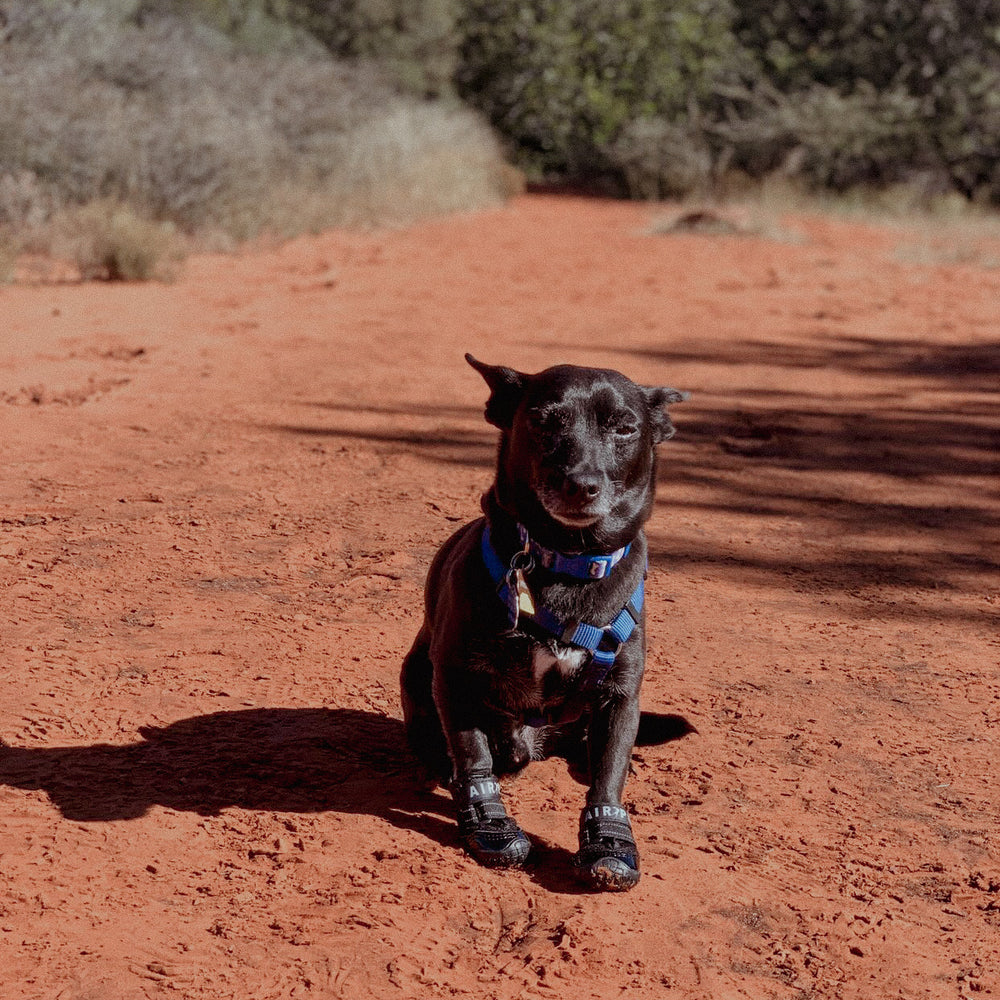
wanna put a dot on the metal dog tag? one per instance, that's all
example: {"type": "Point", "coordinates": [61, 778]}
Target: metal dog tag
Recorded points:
{"type": "Point", "coordinates": [509, 593]}
{"type": "Point", "coordinates": [525, 602]}
{"type": "Point", "coordinates": [519, 599]}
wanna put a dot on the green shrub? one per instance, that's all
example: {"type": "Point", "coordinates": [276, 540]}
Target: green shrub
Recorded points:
{"type": "Point", "coordinates": [415, 42]}
{"type": "Point", "coordinates": [582, 88]}
{"type": "Point", "coordinates": [666, 96]}
{"type": "Point", "coordinates": [826, 139]}
{"type": "Point", "coordinates": [926, 73]}
{"type": "Point", "coordinates": [658, 158]}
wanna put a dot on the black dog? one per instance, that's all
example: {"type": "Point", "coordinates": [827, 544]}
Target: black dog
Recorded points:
{"type": "Point", "coordinates": [534, 622]}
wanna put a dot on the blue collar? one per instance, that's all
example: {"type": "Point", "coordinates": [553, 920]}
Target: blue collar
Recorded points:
{"type": "Point", "coordinates": [583, 567]}
{"type": "Point", "coordinates": [602, 642]}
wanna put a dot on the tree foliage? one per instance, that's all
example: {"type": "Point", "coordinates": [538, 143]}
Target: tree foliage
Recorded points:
{"type": "Point", "coordinates": [658, 97]}
{"type": "Point", "coordinates": [667, 95]}
{"type": "Point", "coordinates": [648, 97]}
{"type": "Point", "coordinates": [578, 84]}
{"type": "Point", "coordinates": [916, 87]}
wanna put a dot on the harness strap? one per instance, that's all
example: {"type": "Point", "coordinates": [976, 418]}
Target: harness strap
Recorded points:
{"type": "Point", "coordinates": [602, 642]}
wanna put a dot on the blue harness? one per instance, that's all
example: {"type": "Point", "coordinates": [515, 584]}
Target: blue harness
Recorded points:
{"type": "Point", "coordinates": [603, 643]}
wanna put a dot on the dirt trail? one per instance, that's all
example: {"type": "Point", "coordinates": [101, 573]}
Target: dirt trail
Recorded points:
{"type": "Point", "coordinates": [218, 502]}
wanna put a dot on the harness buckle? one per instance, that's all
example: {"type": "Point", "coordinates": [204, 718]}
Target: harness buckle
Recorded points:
{"type": "Point", "coordinates": [599, 569]}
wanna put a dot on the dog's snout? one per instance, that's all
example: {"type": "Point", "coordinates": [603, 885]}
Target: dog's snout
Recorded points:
{"type": "Point", "coordinates": [582, 486]}
{"type": "Point", "coordinates": [574, 494]}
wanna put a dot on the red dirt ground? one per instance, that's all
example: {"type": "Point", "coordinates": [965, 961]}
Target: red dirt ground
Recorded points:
{"type": "Point", "coordinates": [218, 503]}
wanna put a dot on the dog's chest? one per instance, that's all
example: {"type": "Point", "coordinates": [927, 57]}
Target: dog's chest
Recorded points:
{"type": "Point", "coordinates": [563, 663]}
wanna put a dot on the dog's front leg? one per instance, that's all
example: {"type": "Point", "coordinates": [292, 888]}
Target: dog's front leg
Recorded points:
{"type": "Point", "coordinates": [487, 832]}
{"type": "Point", "coordinates": [608, 857]}
{"type": "Point", "coordinates": [611, 739]}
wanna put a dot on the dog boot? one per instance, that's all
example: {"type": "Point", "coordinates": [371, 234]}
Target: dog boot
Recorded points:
{"type": "Point", "coordinates": [487, 832]}
{"type": "Point", "coordinates": [608, 857]}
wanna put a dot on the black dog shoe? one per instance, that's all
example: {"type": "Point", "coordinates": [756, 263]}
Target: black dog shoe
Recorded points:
{"type": "Point", "coordinates": [608, 857]}
{"type": "Point", "coordinates": [487, 832]}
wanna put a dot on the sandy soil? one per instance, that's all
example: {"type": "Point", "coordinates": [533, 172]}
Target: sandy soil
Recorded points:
{"type": "Point", "coordinates": [218, 503]}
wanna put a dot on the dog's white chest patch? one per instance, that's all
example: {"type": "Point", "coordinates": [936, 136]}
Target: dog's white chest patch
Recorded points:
{"type": "Point", "coordinates": [567, 661]}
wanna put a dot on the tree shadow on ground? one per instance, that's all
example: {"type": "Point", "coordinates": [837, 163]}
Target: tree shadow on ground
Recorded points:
{"type": "Point", "coordinates": [917, 436]}
{"type": "Point", "coordinates": [911, 455]}
{"type": "Point", "coordinates": [296, 760]}
{"type": "Point", "coordinates": [445, 442]}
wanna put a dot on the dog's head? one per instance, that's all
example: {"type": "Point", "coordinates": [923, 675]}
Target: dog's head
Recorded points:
{"type": "Point", "coordinates": [577, 459]}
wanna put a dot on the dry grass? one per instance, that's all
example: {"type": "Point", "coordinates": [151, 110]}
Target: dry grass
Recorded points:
{"type": "Point", "coordinates": [108, 241]}
{"type": "Point", "coordinates": [412, 160]}
{"type": "Point", "coordinates": [407, 162]}
{"type": "Point", "coordinates": [972, 240]}
{"type": "Point", "coordinates": [10, 251]}
{"type": "Point", "coordinates": [895, 204]}
{"type": "Point", "coordinates": [173, 122]}
{"type": "Point", "coordinates": [933, 229]}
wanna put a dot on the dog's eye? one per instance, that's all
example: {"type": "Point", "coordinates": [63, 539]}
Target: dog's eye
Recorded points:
{"type": "Point", "coordinates": [546, 421]}
{"type": "Point", "coordinates": [623, 427]}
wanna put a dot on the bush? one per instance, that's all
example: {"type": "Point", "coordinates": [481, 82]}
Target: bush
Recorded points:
{"type": "Point", "coordinates": [24, 203]}
{"type": "Point", "coordinates": [10, 250]}
{"type": "Point", "coordinates": [591, 88]}
{"type": "Point", "coordinates": [232, 116]}
{"type": "Point", "coordinates": [658, 158]}
{"type": "Point", "coordinates": [170, 117]}
{"type": "Point", "coordinates": [829, 140]}
{"type": "Point", "coordinates": [260, 27]}
{"type": "Point", "coordinates": [109, 242]}
{"type": "Point", "coordinates": [415, 42]}
{"type": "Point", "coordinates": [927, 75]}
{"type": "Point", "coordinates": [136, 105]}
{"type": "Point", "coordinates": [666, 96]}
{"type": "Point", "coordinates": [411, 160]}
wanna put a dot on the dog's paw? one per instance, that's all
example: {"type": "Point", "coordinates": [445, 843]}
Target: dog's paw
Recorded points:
{"type": "Point", "coordinates": [497, 843]}
{"type": "Point", "coordinates": [608, 858]}
{"type": "Point", "coordinates": [487, 832]}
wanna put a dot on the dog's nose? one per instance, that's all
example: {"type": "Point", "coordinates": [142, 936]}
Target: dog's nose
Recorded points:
{"type": "Point", "coordinates": [582, 486]}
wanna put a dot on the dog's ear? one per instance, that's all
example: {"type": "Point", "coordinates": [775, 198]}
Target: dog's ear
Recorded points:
{"type": "Point", "coordinates": [657, 398]}
{"type": "Point", "coordinates": [506, 389]}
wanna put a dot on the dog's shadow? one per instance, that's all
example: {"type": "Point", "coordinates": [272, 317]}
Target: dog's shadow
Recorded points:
{"type": "Point", "coordinates": [299, 760]}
